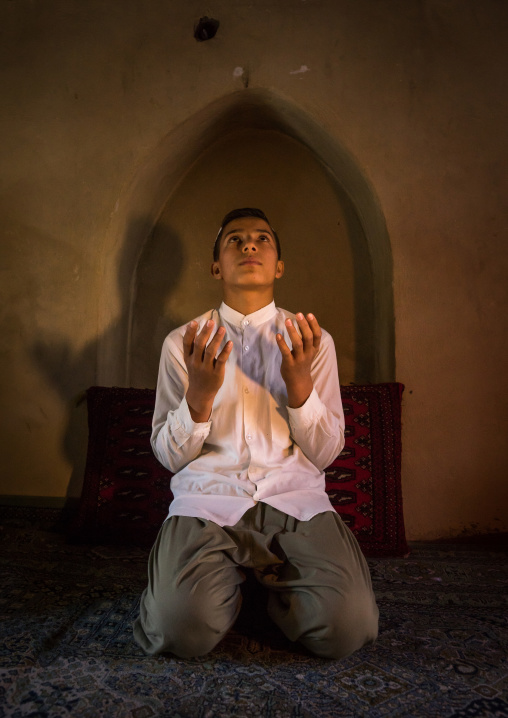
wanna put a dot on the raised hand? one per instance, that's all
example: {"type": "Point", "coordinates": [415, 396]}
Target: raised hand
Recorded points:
{"type": "Point", "coordinates": [297, 362]}
{"type": "Point", "coordinates": [205, 369]}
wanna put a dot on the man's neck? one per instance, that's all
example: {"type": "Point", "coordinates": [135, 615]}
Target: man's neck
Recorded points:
{"type": "Point", "coordinates": [247, 302]}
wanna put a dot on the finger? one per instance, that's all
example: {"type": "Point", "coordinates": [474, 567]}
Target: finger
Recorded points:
{"type": "Point", "coordinates": [224, 355]}
{"type": "Point", "coordinates": [283, 347]}
{"type": "Point", "coordinates": [188, 338]}
{"type": "Point", "coordinates": [213, 347]}
{"type": "Point", "coordinates": [203, 337]}
{"type": "Point", "coordinates": [316, 330]}
{"type": "Point", "coordinates": [307, 334]}
{"type": "Point", "coordinates": [294, 335]}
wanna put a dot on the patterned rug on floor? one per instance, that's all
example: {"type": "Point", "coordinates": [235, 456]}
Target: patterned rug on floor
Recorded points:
{"type": "Point", "coordinates": [66, 647]}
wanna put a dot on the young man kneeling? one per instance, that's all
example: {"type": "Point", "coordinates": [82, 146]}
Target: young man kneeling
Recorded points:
{"type": "Point", "coordinates": [248, 414]}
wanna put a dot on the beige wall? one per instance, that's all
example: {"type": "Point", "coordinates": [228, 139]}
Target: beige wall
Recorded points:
{"type": "Point", "coordinates": [399, 110]}
{"type": "Point", "coordinates": [261, 169]}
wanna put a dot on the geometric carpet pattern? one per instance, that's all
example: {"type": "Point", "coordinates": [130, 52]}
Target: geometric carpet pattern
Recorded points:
{"type": "Point", "coordinates": [66, 647]}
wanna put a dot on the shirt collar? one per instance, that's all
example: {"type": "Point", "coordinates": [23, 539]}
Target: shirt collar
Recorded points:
{"type": "Point", "coordinates": [255, 319]}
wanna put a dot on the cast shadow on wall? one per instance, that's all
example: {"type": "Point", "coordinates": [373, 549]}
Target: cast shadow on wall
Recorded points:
{"type": "Point", "coordinates": [71, 371]}
{"type": "Point", "coordinates": [154, 312]}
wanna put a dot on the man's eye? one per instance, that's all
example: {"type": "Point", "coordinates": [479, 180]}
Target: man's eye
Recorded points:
{"type": "Point", "coordinates": [234, 239]}
{"type": "Point", "coordinates": [263, 237]}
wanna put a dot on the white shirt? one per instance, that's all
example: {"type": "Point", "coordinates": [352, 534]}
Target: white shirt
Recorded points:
{"type": "Point", "coordinates": [254, 447]}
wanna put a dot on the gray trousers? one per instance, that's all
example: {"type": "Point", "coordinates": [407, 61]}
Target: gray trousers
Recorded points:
{"type": "Point", "coordinates": [319, 587]}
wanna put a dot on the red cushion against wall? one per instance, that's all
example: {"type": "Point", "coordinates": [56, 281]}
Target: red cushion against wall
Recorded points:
{"type": "Point", "coordinates": [126, 492]}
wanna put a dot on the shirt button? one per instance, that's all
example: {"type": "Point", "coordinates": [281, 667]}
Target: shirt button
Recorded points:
{"type": "Point", "coordinates": [246, 349]}
{"type": "Point", "coordinates": [249, 437]}
{"type": "Point", "coordinates": [246, 390]}
{"type": "Point", "coordinates": [245, 322]}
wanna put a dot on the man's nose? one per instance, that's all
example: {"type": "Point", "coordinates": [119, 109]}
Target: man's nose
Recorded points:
{"type": "Point", "coordinates": [249, 245]}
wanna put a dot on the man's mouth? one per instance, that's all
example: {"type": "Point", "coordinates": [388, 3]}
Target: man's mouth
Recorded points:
{"type": "Point", "coordinates": [250, 261]}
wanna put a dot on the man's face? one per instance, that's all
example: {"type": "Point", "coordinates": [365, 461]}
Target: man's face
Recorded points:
{"type": "Point", "coordinates": [248, 255]}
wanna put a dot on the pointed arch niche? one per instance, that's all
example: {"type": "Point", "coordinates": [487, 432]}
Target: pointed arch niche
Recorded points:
{"type": "Point", "coordinates": [251, 148]}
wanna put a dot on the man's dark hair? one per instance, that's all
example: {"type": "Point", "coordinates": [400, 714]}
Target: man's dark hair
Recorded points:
{"type": "Point", "coordinates": [240, 214]}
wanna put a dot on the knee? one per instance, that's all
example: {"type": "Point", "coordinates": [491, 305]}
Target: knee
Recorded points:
{"type": "Point", "coordinates": [339, 630]}
{"type": "Point", "coordinates": [183, 624]}
{"type": "Point", "coordinates": [328, 623]}
{"type": "Point", "coordinates": [188, 629]}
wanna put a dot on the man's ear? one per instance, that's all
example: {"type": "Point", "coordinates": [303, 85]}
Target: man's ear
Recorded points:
{"type": "Point", "coordinates": [280, 269]}
{"type": "Point", "coordinates": [215, 270]}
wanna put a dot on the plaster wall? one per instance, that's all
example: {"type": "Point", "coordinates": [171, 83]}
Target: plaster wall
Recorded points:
{"type": "Point", "coordinates": [265, 169]}
{"type": "Point", "coordinates": [95, 95]}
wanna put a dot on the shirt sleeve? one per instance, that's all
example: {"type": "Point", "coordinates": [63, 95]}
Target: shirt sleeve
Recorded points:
{"type": "Point", "coordinates": [318, 425]}
{"type": "Point", "coordinates": [176, 439]}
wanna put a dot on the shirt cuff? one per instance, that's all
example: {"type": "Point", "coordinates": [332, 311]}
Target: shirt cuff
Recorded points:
{"type": "Point", "coordinates": [184, 426]}
{"type": "Point", "coordinates": [309, 413]}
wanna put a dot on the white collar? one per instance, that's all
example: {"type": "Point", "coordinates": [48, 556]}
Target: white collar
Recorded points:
{"type": "Point", "coordinates": [255, 319]}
